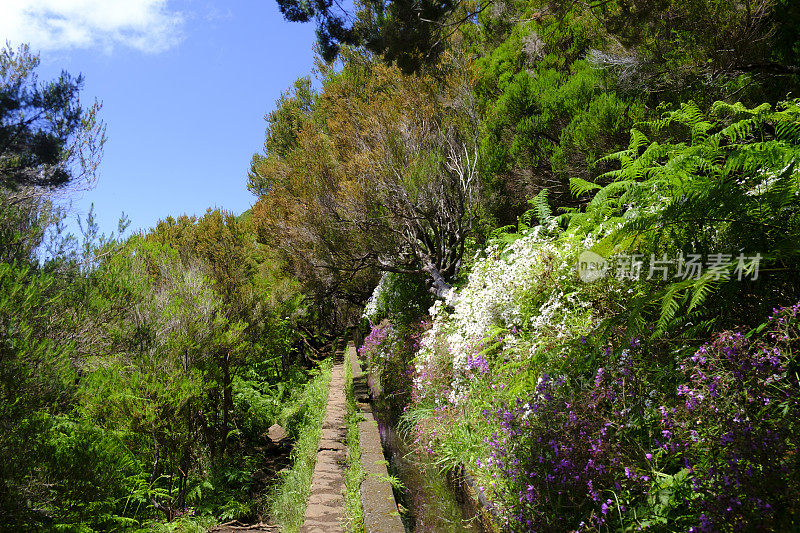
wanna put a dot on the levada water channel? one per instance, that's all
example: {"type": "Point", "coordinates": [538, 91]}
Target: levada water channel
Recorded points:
{"type": "Point", "coordinates": [430, 501]}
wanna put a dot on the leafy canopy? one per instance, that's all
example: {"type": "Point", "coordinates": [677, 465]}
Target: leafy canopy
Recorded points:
{"type": "Point", "coordinates": [46, 137]}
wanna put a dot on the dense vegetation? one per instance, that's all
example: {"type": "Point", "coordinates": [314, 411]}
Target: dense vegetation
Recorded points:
{"type": "Point", "coordinates": [447, 184]}
{"type": "Point", "coordinates": [139, 375]}
{"type": "Point", "coordinates": [655, 141]}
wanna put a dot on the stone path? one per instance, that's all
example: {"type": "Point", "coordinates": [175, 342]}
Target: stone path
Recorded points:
{"type": "Point", "coordinates": [325, 510]}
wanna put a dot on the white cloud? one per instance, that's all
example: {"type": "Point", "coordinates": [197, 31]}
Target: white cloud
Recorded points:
{"type": "Point", "coordinates": [146, 25]}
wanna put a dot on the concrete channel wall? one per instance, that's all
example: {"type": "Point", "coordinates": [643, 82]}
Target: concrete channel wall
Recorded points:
{"type": "Point", "coordinates": [377, 498]}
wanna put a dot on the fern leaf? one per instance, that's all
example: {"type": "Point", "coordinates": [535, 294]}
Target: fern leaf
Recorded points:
{"type": "Point", "coordinates": [579, 186]}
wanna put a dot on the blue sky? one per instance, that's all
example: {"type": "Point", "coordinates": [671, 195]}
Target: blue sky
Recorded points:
{"type": "Point", "coordinates": [185, 86]}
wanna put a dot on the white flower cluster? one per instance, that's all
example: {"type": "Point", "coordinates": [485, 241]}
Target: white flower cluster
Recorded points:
{"type": "Point", "coordinates": [372, 309]}
{"type": "Point", "coordinates": [520, 290]}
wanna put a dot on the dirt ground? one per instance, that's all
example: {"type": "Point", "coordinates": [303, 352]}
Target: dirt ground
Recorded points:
{"type": "Point", "coordinates": [236, 526]}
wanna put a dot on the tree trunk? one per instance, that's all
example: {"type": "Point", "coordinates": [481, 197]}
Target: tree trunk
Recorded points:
{"type": "Point", "coordinates": [180, 500]}
{"type": "Point", "coordinates": [440, 287]}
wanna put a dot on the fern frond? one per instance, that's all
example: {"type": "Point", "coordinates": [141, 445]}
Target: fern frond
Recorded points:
{"type": "Point", "coordinates": [541, 207]}
{"type": "Point", "coordinates": [579, 187]}
{"type": "Point", "coordinates": [499, 233]}
{"type": "Point", "coordinates": [670, 303]}
{"type": "Point", "coordinates": [740, 130]}
{"type": "Point", "coordinates": [638, 139]}
{"type": "Point", "coordinates": [690, 115]}
{"type": "Point", "coordinates": [701, 289]}
{"type": "Point", "coordinates": [788, 130]}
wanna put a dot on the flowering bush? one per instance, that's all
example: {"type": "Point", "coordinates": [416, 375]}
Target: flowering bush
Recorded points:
{"type": "Point", "coordinates": [572, 425]}
{"type": "Point", "coordinates": [371, 351]}
{"type": "Point", "coordinates": [712, 449]}
{"type": "Point", "coordinates": [389, 352]}
{"type": "Point", "coordinates": [568, 455]}
{"type": "Point", "coordinates": [735, 429]}
{"type": "Point", "coordinates": [522, 301]}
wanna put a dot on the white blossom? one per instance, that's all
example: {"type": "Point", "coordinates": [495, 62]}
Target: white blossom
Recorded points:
{"type": "Point", "coordinates": [498, 303]}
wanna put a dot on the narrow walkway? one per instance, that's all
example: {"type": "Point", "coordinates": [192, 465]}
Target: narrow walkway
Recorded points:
{"type": "Point", "coordinates": [377, 498]}
{"type": "Point", "coordinates": [325, 510]}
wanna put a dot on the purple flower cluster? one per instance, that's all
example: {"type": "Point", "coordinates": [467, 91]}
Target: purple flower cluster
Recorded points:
{"type": "Point", "coordinates": [389, 351]}
{"type": "Point", "coordinates": [478, 363]}
{"type": "Point", "coordinates": [371, 348]}
{"type": "Point", "coordinates": [562, 456]}
{"type": "Point", "coordinates": [735, 429]}
{"type": "Point", "coordinates": [708, 443]}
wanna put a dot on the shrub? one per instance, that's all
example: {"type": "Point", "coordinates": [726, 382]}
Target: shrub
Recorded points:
{"type": "Point", "coordinates": [401, 298]}
{"type": "Point", "coordinates": [569, 452]}
{"type": "Point", "coordinates": [735, 429]}
{"type": "Point", "coordinates": [389, 353]}
{"type": "Point", "coordinates": [646, 443]}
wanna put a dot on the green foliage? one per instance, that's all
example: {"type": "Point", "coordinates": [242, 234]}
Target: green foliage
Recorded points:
{"type": "Point", "coordinates": [35, 375]}
{"type": "Point", "coordinates": [402, 298]}
{"type": "Point", "coordinates": [135, 384]}
{"type": "Point", "coordinates": [292, 110]}
{"type": "Point", "coordinates": [703, 50]}
{"type": "Point", "coordinates": [724, 182]}
{"type": "Point", "coordinates": [47, 141]}
{"type": "Point", "coordinates": [43, 128]}
{"type": "Point", "coordinates": [412, 34]}
{"type": "Point", "coordinates": [303, 418]}
{"type": "Point", "coordinates": [548, 114]}
{"type": "Point", "coordinates": [256, 405]}
{"type": "Point", "coordinates": [80, 491]}
{"type": "Point", "coordinates": [380, 177]}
